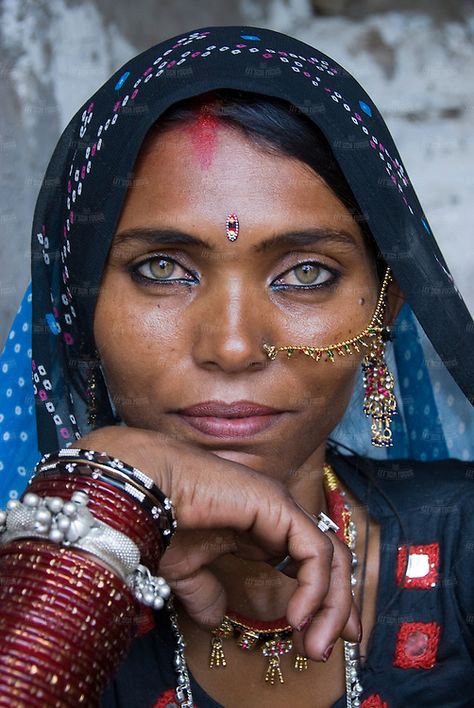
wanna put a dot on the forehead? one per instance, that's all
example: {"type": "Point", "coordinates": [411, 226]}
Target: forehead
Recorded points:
{"type": "Point", "coordinates": [196, 175]}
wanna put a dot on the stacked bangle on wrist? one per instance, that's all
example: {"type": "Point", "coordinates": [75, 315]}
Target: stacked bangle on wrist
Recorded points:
{"type": "Point", "coordinates": [72, 555]}
{"type": "Point", "coordinates": [113, 507]}
{"type": "Point", "coordinates": [128, 479]}
{"type": "Point", "coordinates": [65, 622]}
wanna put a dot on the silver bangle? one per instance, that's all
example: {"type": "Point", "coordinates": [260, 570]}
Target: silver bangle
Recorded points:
{"type": "Point", "coordinates": [71, 523]}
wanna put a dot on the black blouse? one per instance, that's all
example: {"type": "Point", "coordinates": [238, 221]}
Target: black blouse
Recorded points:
{"type": "Point", "coordinates": [421, 650]}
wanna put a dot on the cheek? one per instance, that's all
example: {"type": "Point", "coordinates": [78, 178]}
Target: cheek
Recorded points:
{"type": "Point", "coordinates": [321, 394]}
{"type": "Point", "coordinates": [134, 358]}
{"type": "Point", "coordinates": [329, 392]}
{"type": "Point", "coordinates": [337, 321]}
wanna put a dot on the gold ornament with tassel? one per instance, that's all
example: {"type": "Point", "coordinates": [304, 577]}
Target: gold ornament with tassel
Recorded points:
{"type": "Point", "coordinates": [301, 663]}
{"type": "Point", "coordinates": [224, 631]}
{"type": "Point", "coordinates": [273, 639]}
{"type": "Point", "coordinates": [273, 649]}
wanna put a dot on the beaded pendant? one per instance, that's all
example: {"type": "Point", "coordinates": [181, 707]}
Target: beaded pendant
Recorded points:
{"type": "Point", "coordinates": [272, 639]}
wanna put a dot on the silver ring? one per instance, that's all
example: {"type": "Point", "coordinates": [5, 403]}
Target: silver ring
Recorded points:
{"type": "Point", "coordinates": [326, 524]}
{"type": "Point", "coordinates": [281, 565]}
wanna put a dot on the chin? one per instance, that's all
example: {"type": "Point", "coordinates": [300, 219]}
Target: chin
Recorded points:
{"type": "Point", "coordinates": [242, 458]}
{"type": "Point", "coordinates": [232, 455]}
{"type": "Point", "coordinates": [265, 466]}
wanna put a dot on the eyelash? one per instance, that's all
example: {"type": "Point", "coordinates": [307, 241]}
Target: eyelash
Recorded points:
{"type": "Point", "coordinates": [150, 282]}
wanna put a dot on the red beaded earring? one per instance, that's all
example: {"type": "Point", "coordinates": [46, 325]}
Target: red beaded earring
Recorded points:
{"type": "Point", "coordinates": [379, 397]}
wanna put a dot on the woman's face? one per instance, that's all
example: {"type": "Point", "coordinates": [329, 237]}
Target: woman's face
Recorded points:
{"type": "Point", "coordinates": [183, 312]}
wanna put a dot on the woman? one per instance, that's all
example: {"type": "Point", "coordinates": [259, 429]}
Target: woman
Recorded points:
{"type": "Point", "coordinates": [225, 234]}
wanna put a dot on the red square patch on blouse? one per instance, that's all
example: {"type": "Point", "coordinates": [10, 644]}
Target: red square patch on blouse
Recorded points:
{"type": "Point", "coordinates": [417, 644]}
{"type": "Point", "coordinates": [421, 568]}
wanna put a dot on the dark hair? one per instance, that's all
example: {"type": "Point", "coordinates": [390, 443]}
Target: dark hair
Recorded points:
{"type": "Point", "coordinates": [277, 127]}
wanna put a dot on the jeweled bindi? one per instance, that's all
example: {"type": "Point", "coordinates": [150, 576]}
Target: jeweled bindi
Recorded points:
{"type": "Point", "coordinates": [232, 227]}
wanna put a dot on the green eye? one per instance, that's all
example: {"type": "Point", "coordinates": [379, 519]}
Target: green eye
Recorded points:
{"type": "Point", "coordinates": [310, 274]}
{"type": "Point", "coordinates": [161, 267]}
{"type": "Point", "coordinates": [307, 273]}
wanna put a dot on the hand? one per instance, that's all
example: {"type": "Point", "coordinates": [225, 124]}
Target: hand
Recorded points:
{"type": "Point", "coordinates": [258, 519]}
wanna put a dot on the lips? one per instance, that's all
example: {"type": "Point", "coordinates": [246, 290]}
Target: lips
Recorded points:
{"type": "Point", "coordinates": [230, 420]}
{"type": "Point", "coordinates": [220, 409]}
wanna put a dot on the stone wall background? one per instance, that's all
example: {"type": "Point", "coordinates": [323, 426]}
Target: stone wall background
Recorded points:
{"type": "Point", "coordinates": [414, 57]}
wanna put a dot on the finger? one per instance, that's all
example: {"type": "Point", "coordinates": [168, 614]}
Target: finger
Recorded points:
{"type": "Point", "coordinates": [337, 613]}
{"type": "Point", "coordinates": [312, 552]}
{"type": "Point", "coordinates": [352, 632]}
{"type": "Point", "coordinates": [202, 596]}
{"type": "Point", "coordinates": [190, 550]}
{"type": "Point", "coordinates": [282, 527]}
{"type": "Point", "coordinates": [264, 509]}
{"type": "Point", "coordinates": [290, 567]}
{"type": "Point", "coordinates": [183, 566]}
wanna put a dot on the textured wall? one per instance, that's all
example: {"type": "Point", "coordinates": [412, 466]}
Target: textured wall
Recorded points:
{"type": "Point", "coordinates": [417, 65]}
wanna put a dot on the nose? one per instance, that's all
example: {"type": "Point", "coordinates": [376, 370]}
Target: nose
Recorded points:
{"type": "Point", "coordinates": [230, 330]}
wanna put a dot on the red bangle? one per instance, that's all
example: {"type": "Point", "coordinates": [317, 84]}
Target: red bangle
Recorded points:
{"type": "Point", "coordinates": [38, 598]}
{"type": "Point", "coordinates": [48, 664]}
{"type": "Point", "coordinates": [61, 612]}
{"type": "Point", "coordinates": [59, 617]}
{"type": "Point", "coordinates": [119, 596]}
{"type": "Point", "coordinates": [57, 556]}
{"type": "Point", "coordinates": [22, 640]}
{"type": "Point", "coordinates": [45, 695]}
{"type": "Point", "coordinates": [14, 684]}
{"type": "Point", "coordinates": [75, 567]}
{"type": "Point", "coordinates": [64, 657]}
{"type": "Point", "coordinates": [131, 519]}
{"type": "Point", "coordinates": [58, 635]}
{"type": "Point", "coordinates": [124, 613]}
{"type": "Point", "coordinates": [58, 650]}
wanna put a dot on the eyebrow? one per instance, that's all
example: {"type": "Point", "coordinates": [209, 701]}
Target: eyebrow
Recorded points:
{"type": "Point", "coordinates": [300, 237]}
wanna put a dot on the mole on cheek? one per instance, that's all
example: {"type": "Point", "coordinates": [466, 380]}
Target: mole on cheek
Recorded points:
{"type": "Point", "coordinates": [203, 134]}
{"type": "Point", "coordinates": [362, 301]}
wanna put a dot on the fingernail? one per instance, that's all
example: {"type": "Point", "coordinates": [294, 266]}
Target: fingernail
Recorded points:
{"type": "Point", "coordinates": [304, 623]}
{"type": "Point", "coordinates": [361, 632]}
{"type": "Point", "coordinates": [327, 653]}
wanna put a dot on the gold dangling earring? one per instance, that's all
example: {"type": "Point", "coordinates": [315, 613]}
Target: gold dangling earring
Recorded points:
{"type": "Point", "coordinates": [379, 397]}
{"type": "Point", "coordinates": [91, 393]}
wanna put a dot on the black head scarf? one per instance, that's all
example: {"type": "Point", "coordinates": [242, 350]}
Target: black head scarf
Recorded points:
{"type": "Point", "coordinates": [86, 181]}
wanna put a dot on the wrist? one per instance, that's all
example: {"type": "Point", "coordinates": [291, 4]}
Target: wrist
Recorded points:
{"type": "Point", "coordinates": [147, 450]}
